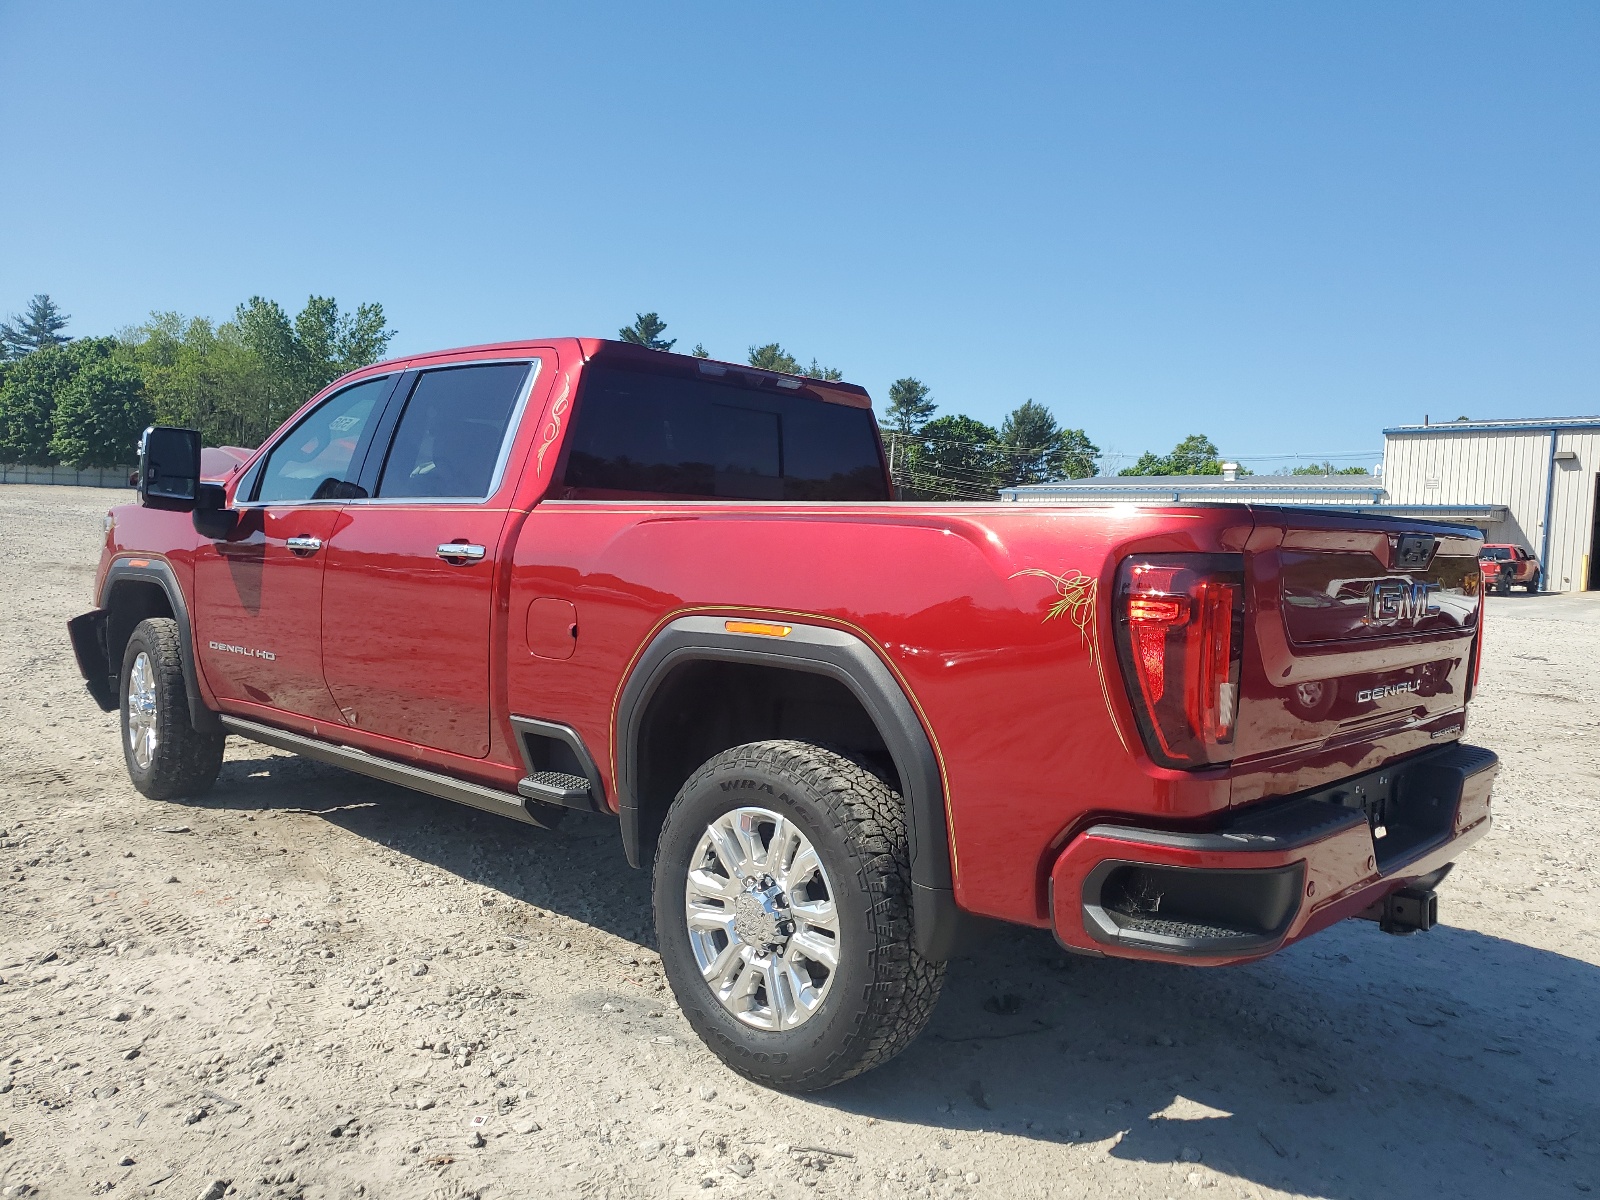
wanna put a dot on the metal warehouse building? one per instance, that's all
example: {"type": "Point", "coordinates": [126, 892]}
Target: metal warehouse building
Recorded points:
{"type": "Point", "coordinates": [1362, 493]}
{"type": "Point", "coordinates": [1528, 483]}
{"type": "Point", "coordinates": [1543, 473]}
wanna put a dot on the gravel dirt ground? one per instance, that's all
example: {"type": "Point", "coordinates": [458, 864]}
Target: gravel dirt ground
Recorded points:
{"type": "Point", "coordinates": [311, 984]}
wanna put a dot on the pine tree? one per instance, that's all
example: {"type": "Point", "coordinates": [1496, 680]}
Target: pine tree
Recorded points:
{"type": "Point", "coordinates": [1034, 449]}
{"type": "Point", "coordinates": [39, 327]}
{"type": "Point", "coordinates": [828, 374]}
{"type": "Point", "coordinates": [909, 407]}
{"type": "Point", "coordinates": [1027, 437]}
{"type": "Point", "coordinates": [646, 331]}
{"type": "Point", "coordinates": [773, 357]}
{"type": "Point", "coordinates": [700, 351]}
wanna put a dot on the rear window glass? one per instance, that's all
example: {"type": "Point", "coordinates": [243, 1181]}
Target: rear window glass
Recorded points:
{"type": "Point", "coordinates": [449, 439]}
{"type": "Point", "coordinates": [639, 433]}
{"type": "Point", "coordinates": [1498, 553]}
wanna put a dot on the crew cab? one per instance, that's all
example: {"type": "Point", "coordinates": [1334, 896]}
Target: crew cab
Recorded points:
{"type": "Point", "coordinates": [1507, 566]}
{"type": "Point", "coordinates": [577, 574]}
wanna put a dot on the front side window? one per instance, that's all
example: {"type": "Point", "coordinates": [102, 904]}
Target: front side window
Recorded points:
{"type": "Point", "coordinates": [641, 434]}
{"type": "Point", "coordinates": [315, 458]}
{"type": "Point", "coordinates": [449, 438]}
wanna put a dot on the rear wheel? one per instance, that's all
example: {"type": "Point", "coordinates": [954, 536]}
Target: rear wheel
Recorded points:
{"type": "Point", "coordinates": [782, 903]}
{"type": "Point", "coordinates": [166, 756]}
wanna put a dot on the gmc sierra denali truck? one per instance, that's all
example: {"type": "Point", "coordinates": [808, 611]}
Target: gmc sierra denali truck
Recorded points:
{"type": "Point", "coordinates": [577, 574]}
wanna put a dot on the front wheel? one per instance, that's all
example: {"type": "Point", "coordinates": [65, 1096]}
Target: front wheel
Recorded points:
{"type": "Point", "coordinates": [166, 755]}
{"type": "Point", "coordinates": [783, 911]}
{"type": "Point", "coordinates": [1533, 586]}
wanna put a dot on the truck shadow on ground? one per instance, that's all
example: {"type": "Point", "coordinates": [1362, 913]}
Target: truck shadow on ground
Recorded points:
{"type": "Point", "coordinates": [1353, 1065]}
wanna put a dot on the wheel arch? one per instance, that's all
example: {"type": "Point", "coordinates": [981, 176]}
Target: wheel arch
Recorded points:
{"type": "Point", "coordinates": [133, 593]}
{"type": "Point", "coordinates": [702, 645]}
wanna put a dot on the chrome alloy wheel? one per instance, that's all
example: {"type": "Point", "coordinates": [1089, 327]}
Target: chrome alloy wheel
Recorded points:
{"type": "Point", "coordinates": [142, 735]}
{"type": "Point", "coordinates": [762, 920]}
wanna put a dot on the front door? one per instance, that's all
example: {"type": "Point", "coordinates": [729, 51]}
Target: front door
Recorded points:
{"type": "Point", "coordinates": [258, 594]}
{"type": "Point", "coordinates": [408, 594]}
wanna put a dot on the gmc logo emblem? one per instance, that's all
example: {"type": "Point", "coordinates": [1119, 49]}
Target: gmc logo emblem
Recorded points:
{"type": "Point", "coordinates": [1390, 601]}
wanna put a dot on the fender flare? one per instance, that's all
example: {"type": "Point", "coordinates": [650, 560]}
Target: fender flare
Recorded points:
{"type": "Point", "coordinates": [846, 658]}
{"type": "Point", "coordinates": [160, 573]}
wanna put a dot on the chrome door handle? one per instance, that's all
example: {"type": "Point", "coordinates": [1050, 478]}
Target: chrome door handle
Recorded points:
{"type": "Point", "coordinates": [460, 550]}
{"type": "Point", "coordinates": [303, 545]}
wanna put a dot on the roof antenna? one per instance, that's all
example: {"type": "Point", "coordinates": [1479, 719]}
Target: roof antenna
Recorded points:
{"type": "Point", "coordinates": [1424, 419]}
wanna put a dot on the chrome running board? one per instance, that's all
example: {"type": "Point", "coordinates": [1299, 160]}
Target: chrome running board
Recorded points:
{"type": "Point", "coordinates": [474, 795]}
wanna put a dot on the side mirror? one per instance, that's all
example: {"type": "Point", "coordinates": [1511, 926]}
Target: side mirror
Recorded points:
{"type": "Point", "coordinates": [210, 516]}
{"type": "Point", "coordinates": [169, 468]}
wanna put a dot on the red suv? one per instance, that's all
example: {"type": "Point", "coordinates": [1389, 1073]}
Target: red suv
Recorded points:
{"type": "Point", "coordinates": [575, 574]}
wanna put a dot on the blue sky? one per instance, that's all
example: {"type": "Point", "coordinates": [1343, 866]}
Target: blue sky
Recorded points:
{"type": "Point", "coordinates": [1285, 226]}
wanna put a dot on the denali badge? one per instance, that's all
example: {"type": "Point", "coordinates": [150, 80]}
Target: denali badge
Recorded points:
{"type": "Point", "coordinates": [1387, 689]}
{"type": "Point", "coordinates": [244, 650]}
{"type": "Point", "coordinates": [1390, 601]}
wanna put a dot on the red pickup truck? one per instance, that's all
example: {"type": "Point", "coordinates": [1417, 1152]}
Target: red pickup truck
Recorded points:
{"type": "Point", "coordinates": [580, 574]}
{"type": "Point", "coordinates": [1506, 566]}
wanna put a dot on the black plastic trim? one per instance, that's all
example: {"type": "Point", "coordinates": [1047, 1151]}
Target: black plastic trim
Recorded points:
{"type": "Point", "coordinates": [446, 787]}
{"type": "Point", "coordinates": [1437, 777]}
{"type": "Point", "coordinates": [158, 572]}
{"type": "Point", "coordinates": [595, 799]}
{"type": "Point", "coordinates": [380, 433]}
{"type": "Point", "coordinates": [849, 660]}
{"type": "Point", "coordinates": [88, 634]}
{"type": "Point", "coordinates": [1122, 929]}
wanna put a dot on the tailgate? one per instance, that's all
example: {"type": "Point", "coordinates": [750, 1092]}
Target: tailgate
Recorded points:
{"type": "Point", "coordinates": [1363, 625]}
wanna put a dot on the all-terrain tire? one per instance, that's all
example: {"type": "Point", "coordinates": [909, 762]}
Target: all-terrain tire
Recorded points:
{"type": "Point", "coordinates": [883, 992]}
{"type": "Point", "coordinates": [184, 761]}
{"type": "Point", "coordinates": [1533, 585]}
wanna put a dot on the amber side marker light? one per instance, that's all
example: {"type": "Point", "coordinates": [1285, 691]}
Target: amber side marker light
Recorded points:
{"type": "Point", "coordinates": [138, 562]}
{"type": "Point", "coordinates": [762, 628]}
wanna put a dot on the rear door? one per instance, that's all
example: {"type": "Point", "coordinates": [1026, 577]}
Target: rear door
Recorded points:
{"type": "Point", "coordinates": [258, 593]}
{"type": "Point", "coordinates": [408, 594]}
{"type": "Point", "coordinates": [1364, 626]}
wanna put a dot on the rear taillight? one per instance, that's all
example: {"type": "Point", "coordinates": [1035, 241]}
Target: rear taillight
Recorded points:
{"type": "Point", "coordinates": [1180, 633]}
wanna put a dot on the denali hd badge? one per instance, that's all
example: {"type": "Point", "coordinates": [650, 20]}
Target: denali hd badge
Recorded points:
{"type": "Point", "coordinates": [244, 650]}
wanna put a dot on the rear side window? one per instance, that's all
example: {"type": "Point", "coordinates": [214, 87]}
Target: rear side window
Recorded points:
{"type": "Point", "coordinates": [638, 433]}
{"type": "Point", "coordinates": [315, 457]}
{"type": "Point", "coordinates": [451, 432]}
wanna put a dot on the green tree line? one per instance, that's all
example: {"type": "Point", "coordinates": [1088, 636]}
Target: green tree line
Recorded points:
{"type": "Point", "coordinates": [84, 401]}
